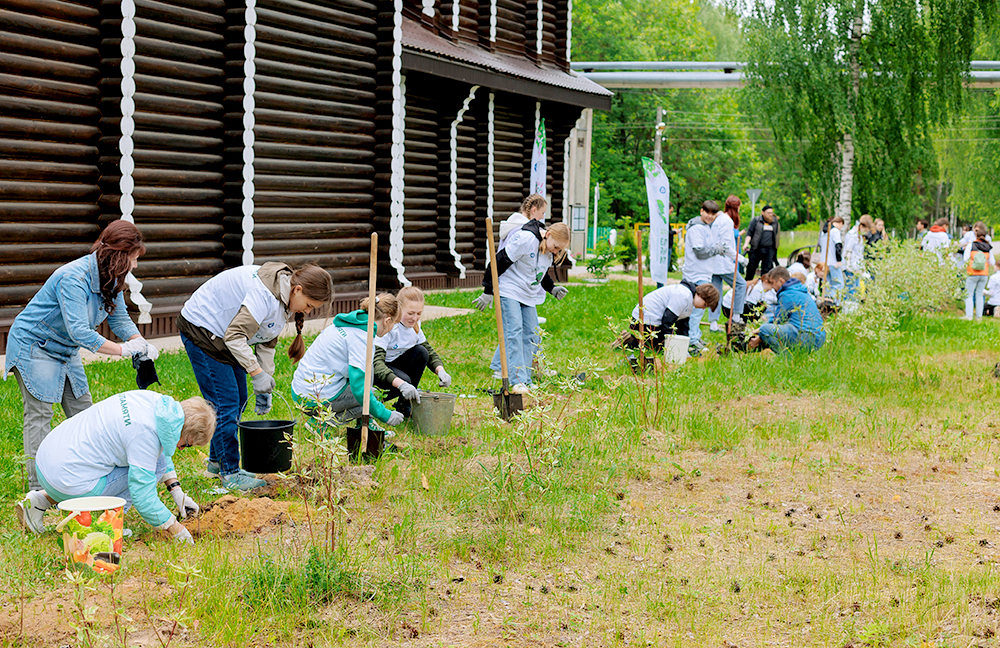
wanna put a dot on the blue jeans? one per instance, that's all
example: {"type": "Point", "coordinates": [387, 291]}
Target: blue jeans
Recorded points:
{"type": "Point", "coordinates": [835, 281]}
{"type": "Point", "coordinates": [114, 484]}
{"type": "Point", "coordinates": [851, 282]}
{"type": "Point", "coordinates": [225, 387]}
{"type": "Point", "coordinates": [974, 286]}
{"type": "Point", "coordinates": [739, 295]}
{"type": "Point", "coordinates": [520, 333]}
{"type": "Point", "coordinates": [780, 337]}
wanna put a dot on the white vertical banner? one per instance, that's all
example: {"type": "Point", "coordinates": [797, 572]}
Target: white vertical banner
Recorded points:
{"type": "Point", "coordinates": [539, 160]}
{"type": "Point", "coordinates": [658, 192]}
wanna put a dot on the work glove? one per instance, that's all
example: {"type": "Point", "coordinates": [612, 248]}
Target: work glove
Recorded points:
{"type": "Point", "coordinates": [395, 419]}
{"type": "Point", "coordinates": [559, 292]}
{"type": "Point", "coordinates": [483, 302]}
{"type": "Point", "coordinates": [262, 404]}
{"type": "Point", "coordinates": [139, 346]}
{"type": "Point", "coordinates": [409, 392]}
{"type": "Point", "coordinates": [263, 383]}
{"type": "Point", "coordinates": [444, 378]}
{"type": "Point", "coordinates": [184, 536]}
{"type": "Point", "coordinates": [185, 505]}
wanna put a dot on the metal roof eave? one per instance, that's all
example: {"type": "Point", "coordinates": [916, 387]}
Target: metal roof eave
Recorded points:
{"type": "Point", "coordinates": [419, 61]}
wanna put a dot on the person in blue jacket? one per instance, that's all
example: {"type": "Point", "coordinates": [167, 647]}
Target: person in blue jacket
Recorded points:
{"type": "Point", "coordinates": [797, 322]}
{"type": "Point", "coordinates": [43, 347]}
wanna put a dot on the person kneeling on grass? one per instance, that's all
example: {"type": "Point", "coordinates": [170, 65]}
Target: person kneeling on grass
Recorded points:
{"type": "Point", "coordinates": [121, 447]}
{"type": "Point", "coordinates": [331, 374]}
{"type": "Point", "coordinates": [666, 311]}
{"type": "Point", "coordinates": [402, 354]}
{"type": "Point", "coordinates": [797, 322]}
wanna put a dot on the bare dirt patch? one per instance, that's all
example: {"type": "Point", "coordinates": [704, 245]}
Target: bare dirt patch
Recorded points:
{"type": "Point", "coordinates": [230, 515]}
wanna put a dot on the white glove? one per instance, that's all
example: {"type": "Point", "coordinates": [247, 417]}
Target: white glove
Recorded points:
{"type": "Point", "coordinates": [138, 346]}
{"type": "Point", "coordinates": [395, 419]}
{"type": "Point", "coordinates": [263, 383]}
{"type": "Point", "coordinates": [444, 378]}
{"type": "Point", "coordinates": [483, 302]}
{"type": "Point", "coordinates": [742, 260]}
{"type": "Point", "coordinates": [185, 505]}
{"type": "Point", "coordinates": [184, 536]}
{"type": "Point", "coordinates": [152, 352]}
{"type": "Point", "coordinates": [409, 392]}
{"type": "Point", "coordinates": [559, 292]}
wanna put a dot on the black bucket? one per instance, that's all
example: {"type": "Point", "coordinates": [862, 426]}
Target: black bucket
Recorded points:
{"type": "Point", "coordinates": [264, 447]}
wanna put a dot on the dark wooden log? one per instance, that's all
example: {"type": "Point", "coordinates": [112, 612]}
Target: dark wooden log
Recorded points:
{"type": "Point", "coordinates": [168, 195]}
{"type": "Point", "coordinates": [27, 149]}
{"type": "Point", "coordinates": [37, 67]}
{"type": "Point", "coordinates": [276, 67]}
{"type": "Point", "coordinates": [364, 68]}
{"type": "Point", "coordinates": [316, 138]}
{"type": "Point", "coordinates": [307, 41]}
{"type": "Point", "coordinates": [159, 48]}
{"type": "Point", "coordinates": [303, 152]}
{"type": "Point", "coordinates": [301, 246]}
{"type": "Point", "coordinates": [175, 141]}
{"type": "Point", "coordinates": [65, 232]}
{"type": "Point", "coordinates": [20, 212]}
{"type": "Point", "coordinates": [43, 252]}
{"type": "Point", "coordinates": [154, 231]}
{"type": "Point", "coordinates": [266, 166]}
{"type": "Point", "coordinates": [360, 217]}
{"type": "Point", "coordinates": [47, 192]}
{"type": "Point", "coordinates": [179, 33]}
{"type": "Point", "coordinates": [335, 184]}
{"type": "Point", "coordinates": [309, 199]}
{"type": "Point", "coordinates": [35, 25]}
{"type": "Point", "coordinates": [19, 43]}
{"type": "Point", "coordinates": [28, 108]}
{"type": "Point", "coordinates": [348, 41]}
{"type": "Point", "coordinates": [47, 171]}
{"type": "Point", "coordinates": [176, 69]}
{"type": "Point", "coordinates": [176, 87]}
{"type": "Point", "coordinates": [321, 91]}
{"type": "Point", "coordinates": [300, 104]}
{"type": "Point", "coordinates": [360, 17]}
{"type": "Point", "coordinates": [181, 15]}
{"type": "Point", "coordinates": [49, 130]}
{"type": "Point", "coordinates": [55, 9]}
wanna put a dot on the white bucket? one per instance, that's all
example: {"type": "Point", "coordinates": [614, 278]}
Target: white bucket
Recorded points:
{"type": "Point", "coordinates": [675, 349]}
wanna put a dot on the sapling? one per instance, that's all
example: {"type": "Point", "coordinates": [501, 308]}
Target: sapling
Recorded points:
{"type": "Point", "coordinates": [84, 615]}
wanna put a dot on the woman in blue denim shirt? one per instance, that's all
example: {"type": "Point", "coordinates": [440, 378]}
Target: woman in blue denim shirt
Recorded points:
{"type": "Point", "coordinates": [43, 347]}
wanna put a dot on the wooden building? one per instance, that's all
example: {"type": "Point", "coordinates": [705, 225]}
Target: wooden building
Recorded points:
{"type": "Point", "coordinates": [237, 132]}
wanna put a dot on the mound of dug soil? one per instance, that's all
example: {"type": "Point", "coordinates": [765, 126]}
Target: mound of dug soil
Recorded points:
{"type": "Point", "coordinates": [231, 515]}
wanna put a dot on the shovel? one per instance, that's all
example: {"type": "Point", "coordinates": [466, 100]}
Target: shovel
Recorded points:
{"type": "Point", "coordinates": [366, 405]}
{"type": "Point", "coordinates": [507, 404]}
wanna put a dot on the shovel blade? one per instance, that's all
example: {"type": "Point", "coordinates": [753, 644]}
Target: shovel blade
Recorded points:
{"type": "Point", "coordinates": [509, 405]}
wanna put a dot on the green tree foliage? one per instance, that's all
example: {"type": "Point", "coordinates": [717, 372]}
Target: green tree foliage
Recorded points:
{"type": "Point", "coordinates": [705, 152]}
{"type": "Point", "coordinates": [876, 76]}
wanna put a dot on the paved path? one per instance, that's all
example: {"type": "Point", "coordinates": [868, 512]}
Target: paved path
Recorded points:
{"type": "Point", "coordinates": [311, 327]}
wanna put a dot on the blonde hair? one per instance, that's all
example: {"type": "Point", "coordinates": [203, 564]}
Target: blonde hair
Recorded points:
{"type": "Point", "coordinates": [386, 305]}
{"type": "Point", "coordinates": [533, 201]}
{"type": "Point", "coordinates": [199, 421]}
{"type": "Point", "coordinates": [560, 232]}
{"type": "Point", "coordinates": [413, 295]}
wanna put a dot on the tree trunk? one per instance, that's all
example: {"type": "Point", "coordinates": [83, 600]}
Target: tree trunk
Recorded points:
{"type": "Point", "coordinates": [847, 146]}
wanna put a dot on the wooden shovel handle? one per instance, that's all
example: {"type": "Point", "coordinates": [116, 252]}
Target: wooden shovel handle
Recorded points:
{"type": "Point", "coordinates": [496, 303]}
{"type": "Point", "coordinates": [366, 405]}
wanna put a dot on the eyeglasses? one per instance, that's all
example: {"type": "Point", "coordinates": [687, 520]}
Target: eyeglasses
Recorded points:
{"type": "Point", "coordinates": [186, 444]}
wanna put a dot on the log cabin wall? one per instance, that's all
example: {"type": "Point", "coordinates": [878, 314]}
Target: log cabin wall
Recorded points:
{"type": "Point", "coordinates": [466, 188]}
{"type": "Point", "coordinates": [49, 135]}
{"type": "Point", "coordinates": [179, 75]}
{"type": "Point", "coordinates": [314, 136]}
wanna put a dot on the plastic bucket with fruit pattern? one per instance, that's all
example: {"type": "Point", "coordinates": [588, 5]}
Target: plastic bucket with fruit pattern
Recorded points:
{"type": "Point", "coordinates": [92, 532]}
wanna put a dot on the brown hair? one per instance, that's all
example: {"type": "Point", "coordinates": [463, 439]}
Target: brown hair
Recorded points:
{"type": "Point", "coordinates": [533, 201]}
{"type": "Point", "coordinates": [866, 222]}
{"type": "Point", "coordinates": [199, 421]}
{"type": "Point", "coordinates": [410, 294]}
{"type": "Point", "coordinates": [386, 305]}
{"type": "Point", "coordinates": [709, 293]}
{"type": "Point", "coordinates": [733, 210]}
{"type": "Point", "coordinates": [710, 206]}
{"type": "Point", "coordinates": [980, 229]}
{"type": "Point", "coordinates": [941, 222]}
{"type": "Point", "coordinates": [560, 232]}
{"type": "Point", "coordinates": [777, 274]}
{"type": "Point", "coordinates": [115, 247]}
{"type": "Point", "coordinates": [316, 285]}
{"type": "Point", "coordinates": [805, 258]}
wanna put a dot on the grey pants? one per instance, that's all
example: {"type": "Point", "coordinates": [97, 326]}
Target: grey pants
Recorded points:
{"type": "Point", "coordinates": [336, 412]}
{"type": "Point", "coordinates": [38, 421]}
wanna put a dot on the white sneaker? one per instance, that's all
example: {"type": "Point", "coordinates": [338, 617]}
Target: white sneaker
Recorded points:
{"type": "Point", "coordinates": [714, 326]}
{"type": "Point", "coordinates": [31, 511]}
{"type": "Point", "coordinates": [542, 320]}
{"type": "Point", "coordinates": [520, 388]}
{"type": "Point", "coordinates": [497, 375]}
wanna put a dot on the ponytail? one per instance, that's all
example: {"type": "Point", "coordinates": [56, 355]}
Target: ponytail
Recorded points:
{"type": "Point", "coordinates": [298, 348]}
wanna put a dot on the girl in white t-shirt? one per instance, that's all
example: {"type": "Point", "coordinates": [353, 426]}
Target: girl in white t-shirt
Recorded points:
{"type": "Point", "coordinates": [403, 353]}
{"type": "Point", "coordinates": [522, 268]}
{"type": "Point", "coordinates": [230, 328]}
{"type": "Point", "coordinates": [331, 374]}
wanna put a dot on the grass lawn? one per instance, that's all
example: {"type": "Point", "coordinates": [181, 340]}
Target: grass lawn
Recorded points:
{"type": "Point", "coordinates": [844, 498]}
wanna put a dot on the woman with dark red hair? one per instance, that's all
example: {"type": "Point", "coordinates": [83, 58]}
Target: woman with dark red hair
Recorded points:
{"type": "Point", "coordinates": [43, 347]}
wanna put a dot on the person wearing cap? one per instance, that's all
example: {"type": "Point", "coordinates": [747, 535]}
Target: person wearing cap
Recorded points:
{"type": "Point", "coordinates": [122, 446]}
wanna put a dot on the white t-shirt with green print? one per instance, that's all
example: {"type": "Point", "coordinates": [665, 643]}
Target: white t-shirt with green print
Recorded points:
{"type": "Point", "coordinates": [523, 279]}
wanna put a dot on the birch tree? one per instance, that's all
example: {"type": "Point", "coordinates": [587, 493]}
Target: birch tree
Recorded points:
{"type": "Point", "coordinates": [856, 87]}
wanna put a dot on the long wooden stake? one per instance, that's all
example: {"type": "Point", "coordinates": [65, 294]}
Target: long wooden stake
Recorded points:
{"type": "Point", "coordinates": [496, 307]}
{"type": "Point", "coordinates": [732, 310]}
{"type": "Point", "coordinates": [826, 260]}
{"type": "Point", "coordinates": [366, 405]}
{"type": "Point", "coordinates": [642, 313]}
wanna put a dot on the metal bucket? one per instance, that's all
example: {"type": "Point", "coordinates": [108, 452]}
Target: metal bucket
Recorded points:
{"type": "Point", "coordinates": [432, 415]}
